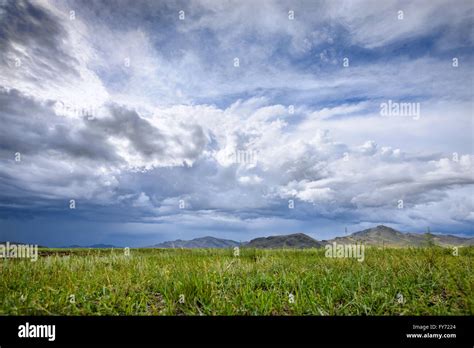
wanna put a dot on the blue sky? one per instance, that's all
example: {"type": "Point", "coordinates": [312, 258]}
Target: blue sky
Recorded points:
{"type": "Point", "coordinates": [150, 126]}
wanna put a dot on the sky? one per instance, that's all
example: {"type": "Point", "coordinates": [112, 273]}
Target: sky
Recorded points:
{"type": "Point", "coordinates": [135, 122]}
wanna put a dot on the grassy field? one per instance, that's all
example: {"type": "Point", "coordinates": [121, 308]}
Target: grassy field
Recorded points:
{"type": "Point", "coordinates": [428, 281]}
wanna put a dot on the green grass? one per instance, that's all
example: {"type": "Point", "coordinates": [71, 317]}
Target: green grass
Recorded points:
{"type": "Point", "coordinates": [214, 282]}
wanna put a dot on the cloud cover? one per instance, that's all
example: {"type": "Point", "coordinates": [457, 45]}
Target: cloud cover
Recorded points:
{"type": "Point", "coordinates": [145, 121]}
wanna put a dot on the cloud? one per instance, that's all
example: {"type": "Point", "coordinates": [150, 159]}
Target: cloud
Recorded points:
{"type": "Point", "coordinates": [374, 24]}
{"type": "Point", "coordinates": [142, 144]}
{"type": "Point", "coordinates": [132, 112]}
{"type": "Point", "coordinates": [32, 34]}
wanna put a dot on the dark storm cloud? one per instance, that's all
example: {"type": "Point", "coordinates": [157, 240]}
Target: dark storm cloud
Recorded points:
{"type": "Point", "coordinates": [31, 127]}
{"type": "Point", "coordinates": [62, 157]}
{"type": "Point", "coordinates": [148, 140]}
{"type": "Point", "coordinates": [25, 24]}
{"type": "Point", "coordinates": [124, 123]}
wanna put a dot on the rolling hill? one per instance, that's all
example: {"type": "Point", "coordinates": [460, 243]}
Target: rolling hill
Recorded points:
{"type": "Point", "coordinates": [385, 236]}
{"type": "Point", "coordinates": [377, 236]}
{"type": "Point", "coordinates": [203, 242]}
{"type": "Point", "coordinates": [297, 241]}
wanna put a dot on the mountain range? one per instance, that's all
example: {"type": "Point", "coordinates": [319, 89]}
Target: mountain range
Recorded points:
{"type": "Point", "coordinates": [203, 242]}
{"type": "Point", "coordinates": [386, 236]}
{"type": "Point", "coordinates": [377, 236]}
{"type": "Point", "coordinates": [297, 241]}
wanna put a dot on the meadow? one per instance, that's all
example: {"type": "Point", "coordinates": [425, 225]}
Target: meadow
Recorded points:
{"type": "Point", "coordinates": [410, 281]}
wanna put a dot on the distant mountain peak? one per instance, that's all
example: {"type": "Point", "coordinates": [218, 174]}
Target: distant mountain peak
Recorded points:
{"type": "Point", "coordinates": [378, 230]}
{"type": "Point", "coordinates": [200, 242]}
{"type": "Point", "coordinates": [384, 227]}
{"type": "Point", "coordinates": [382, 235]}
{"type": "Point", "coordinates": [295, 240]}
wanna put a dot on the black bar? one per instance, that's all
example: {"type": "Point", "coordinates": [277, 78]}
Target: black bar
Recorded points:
{"type": "Point", "coordinates": [243, 330]}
